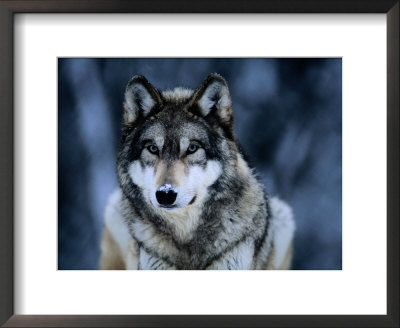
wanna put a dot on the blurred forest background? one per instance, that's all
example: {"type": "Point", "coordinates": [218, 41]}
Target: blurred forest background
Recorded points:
{"type": "Point", "coordinates": [288, 118]}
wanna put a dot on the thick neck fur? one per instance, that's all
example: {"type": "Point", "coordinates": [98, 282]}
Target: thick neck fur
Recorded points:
{"type": "Point", "coordinates": [182, 221]}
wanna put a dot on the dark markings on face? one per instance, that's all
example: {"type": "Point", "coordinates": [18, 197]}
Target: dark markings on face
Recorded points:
{"type": "Point", "coordinates": [214, 121]}
{"type": "Point", "coordinates": [172, 126]}
{"type": "Point", "coordinates": [171, 149]}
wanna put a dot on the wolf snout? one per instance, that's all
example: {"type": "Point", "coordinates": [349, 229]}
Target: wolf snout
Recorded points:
{"type": "Point", "coordinates": [166, 195]}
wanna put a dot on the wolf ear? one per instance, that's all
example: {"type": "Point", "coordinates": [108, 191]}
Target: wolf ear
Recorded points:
{"type": "Point", "coordinates": [213, 98]}
{"type": "Point", "coordinates": [140, 98]}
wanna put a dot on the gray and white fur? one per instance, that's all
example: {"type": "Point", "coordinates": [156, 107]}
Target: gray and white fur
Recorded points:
{"type": "Point", "coordinates": [187, 197]}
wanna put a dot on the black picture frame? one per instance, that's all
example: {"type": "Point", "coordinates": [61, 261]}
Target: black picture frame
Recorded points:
{"type": "Point", "coordinates": [10, 7]}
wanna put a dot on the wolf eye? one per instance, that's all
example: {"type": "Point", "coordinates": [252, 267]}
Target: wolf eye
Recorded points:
{"type": "Point", "coordinates": [192, 148]}
{"type": "Point", "coordinates": [152, 149]}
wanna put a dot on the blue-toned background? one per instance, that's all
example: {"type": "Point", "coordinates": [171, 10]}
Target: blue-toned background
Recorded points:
{"type": "Point", "coordinates": [288, 117]}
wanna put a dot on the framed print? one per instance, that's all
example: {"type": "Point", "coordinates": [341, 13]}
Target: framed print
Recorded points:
{"type": "Point", "coordinates": [330, 84]}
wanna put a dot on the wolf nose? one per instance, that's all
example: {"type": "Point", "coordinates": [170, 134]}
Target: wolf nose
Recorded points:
{"type": "Point", "coordinates": [166, 195]}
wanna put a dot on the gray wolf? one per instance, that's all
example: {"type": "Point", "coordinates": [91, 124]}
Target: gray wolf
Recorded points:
{"type": "Point", "coordinates": [187, 198]}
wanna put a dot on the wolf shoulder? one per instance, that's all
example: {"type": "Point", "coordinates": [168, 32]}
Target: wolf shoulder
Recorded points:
{"type": "Point", "coordinates": [116, 241]}
{"type": "Point", "coordinates": [282, 228]}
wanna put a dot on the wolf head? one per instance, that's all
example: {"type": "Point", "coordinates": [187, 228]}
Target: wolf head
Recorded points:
{"type": "Point", "coordinates": [175, 144]}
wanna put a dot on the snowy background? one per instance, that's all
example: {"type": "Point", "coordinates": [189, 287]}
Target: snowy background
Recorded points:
{"type": "Point", "coordinates": [288, 118]}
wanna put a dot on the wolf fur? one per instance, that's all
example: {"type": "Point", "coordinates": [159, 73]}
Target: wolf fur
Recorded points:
{"type": "Point", "coordinates": [187, 197]}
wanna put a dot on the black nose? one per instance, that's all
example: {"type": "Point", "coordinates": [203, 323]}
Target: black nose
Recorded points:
{"type": "Point", "coordinates": [166, 197]}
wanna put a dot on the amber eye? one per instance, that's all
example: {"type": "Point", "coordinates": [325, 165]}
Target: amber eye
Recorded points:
{"type": "Point", "coordinates": [153, 149]}
{"type": "Point", "coordinates": [192, 149]}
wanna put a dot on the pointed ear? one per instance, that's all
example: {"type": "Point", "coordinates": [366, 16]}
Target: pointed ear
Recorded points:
{"type": "Point", "coordinates": [140, 99]}
{"type": "Point", "coordinates": [213, 98]}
